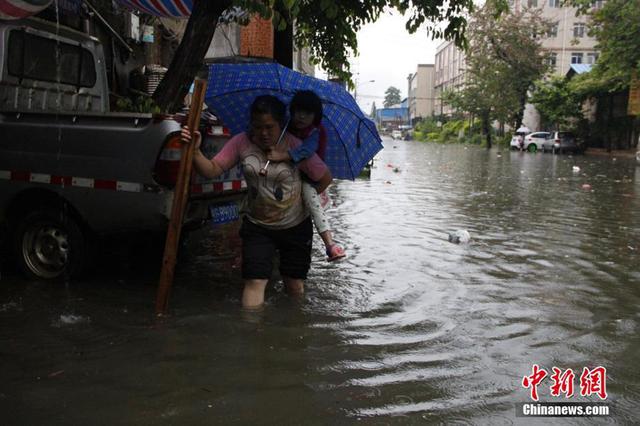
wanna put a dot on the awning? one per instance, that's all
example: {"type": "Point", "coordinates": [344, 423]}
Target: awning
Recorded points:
{"type": "Point", "coordinates": [17, 9]}
{"type": "Point", "coordinates": [161, 8]}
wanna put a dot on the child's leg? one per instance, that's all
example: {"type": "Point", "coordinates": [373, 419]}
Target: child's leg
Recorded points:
{"type": "Point", "coordinates": [312, 200]}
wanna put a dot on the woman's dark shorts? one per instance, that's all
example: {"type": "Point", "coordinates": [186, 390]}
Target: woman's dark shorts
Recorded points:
{"type": "Point", "coordinates": [259, 245]}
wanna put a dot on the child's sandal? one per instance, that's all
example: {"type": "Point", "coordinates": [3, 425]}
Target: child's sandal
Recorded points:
{"type": "Point", "coordinates": [335, 252]}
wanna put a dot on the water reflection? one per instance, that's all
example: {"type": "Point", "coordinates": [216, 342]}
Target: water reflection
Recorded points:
{"type": "Point", "coordinates": [408, 329]}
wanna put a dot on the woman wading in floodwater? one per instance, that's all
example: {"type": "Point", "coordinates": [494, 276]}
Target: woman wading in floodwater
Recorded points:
{"type": "Point", "coordinates": [276, 218]}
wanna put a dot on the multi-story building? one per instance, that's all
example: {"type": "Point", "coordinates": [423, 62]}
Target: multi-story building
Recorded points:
{"type": "Point", "coordinates": [567, 43]}
{"type": "Point", "coordinates": [449, 74]}
{"type": "Point", "coordinates": [258, 39]}
{"type": "Point", "coordinates": [420, 93]}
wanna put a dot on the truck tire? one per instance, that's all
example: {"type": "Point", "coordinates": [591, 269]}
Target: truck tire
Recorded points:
{"type": "Point", "coordinates": [49, 244]}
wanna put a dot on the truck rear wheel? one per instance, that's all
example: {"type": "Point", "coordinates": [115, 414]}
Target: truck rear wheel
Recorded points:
{"type": "Point", "coordinates": [49, 244]}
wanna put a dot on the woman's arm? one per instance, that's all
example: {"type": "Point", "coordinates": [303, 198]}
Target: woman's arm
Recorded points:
{"type": "Point", "coordinates": [203, 166]}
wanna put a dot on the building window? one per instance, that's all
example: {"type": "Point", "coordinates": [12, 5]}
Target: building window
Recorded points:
{"type": "Point", "coordinates": [578, 30]}
{"type": "Point", "coordinates": [532, 3]}
{"type": "Point", "coordinates": [592, 58]}
{"type": "Point", "coordinates": [576, 58]}
{"type": "Point", "coordinates": [552, 59]}
{"type": "Point", "coordinates": [554, 3]}
{"type": "Point", "coordinates": [553, 30]}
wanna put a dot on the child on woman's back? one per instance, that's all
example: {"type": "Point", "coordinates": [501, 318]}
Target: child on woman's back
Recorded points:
{"type": "Point", "coordinates": [306, 113]}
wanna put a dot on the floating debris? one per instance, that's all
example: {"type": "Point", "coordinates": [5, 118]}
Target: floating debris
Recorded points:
{"type": "Point", "coordinates": [576, 169]}
{"type": "Point", "coordinates": [586, 187]}
{"type": "Point", "coordinates": [70, 320]}
{"type": "Point", "coordinates": [460, 236]}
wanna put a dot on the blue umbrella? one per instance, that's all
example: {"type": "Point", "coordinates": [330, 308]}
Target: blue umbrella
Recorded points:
{"type": "Point", "coordinates": [352, 138]}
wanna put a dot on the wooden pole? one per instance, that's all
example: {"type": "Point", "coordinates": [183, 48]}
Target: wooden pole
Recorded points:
{"type": "Point", "coordinates": [180, 197]}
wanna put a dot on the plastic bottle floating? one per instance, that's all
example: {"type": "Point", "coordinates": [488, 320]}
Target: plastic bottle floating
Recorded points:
{"type": "Point", "coordinates": [460, 236]}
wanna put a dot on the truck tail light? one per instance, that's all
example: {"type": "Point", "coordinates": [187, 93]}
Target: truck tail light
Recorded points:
{"type": "Point", "coordinates": [218, 131]}
{"type": "Point", "coordinates": [168, 163]}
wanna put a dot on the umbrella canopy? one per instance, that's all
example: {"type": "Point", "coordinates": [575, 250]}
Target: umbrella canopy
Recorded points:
{"type": "Point", "coordinates": [352, 138]}
{"type": "Point", "coordinates": [523, 129]}
{"type": "Point", "coordinates": [17, 9]}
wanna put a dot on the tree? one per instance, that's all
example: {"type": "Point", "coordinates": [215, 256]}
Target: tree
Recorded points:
{"type": "Point", "coordinates": [190, 53]}
{"type": "Point", "coordinates": [616, 27]}
{"type": "Point", "coordinates": [557, 101]}
{"type": "Point", "coordinates": [373, 111]}
{"type": "Point", "coordinates": [327, 27]}
{"type": "Point", "coordinates": [504, 59]}
{"type": "Point", "coordinates": [391, 97]}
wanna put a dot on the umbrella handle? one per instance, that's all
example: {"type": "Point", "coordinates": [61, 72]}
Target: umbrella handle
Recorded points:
{"type": "Point", "coordinates": [263, 171]}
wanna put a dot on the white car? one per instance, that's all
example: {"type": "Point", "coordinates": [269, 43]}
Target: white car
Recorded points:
{"type": "Point", "coordinates": [396, 134]}
{"type": "Point", "coordinates": [516, 142]}
{"type": "Point", "coordinates": [531, 142]}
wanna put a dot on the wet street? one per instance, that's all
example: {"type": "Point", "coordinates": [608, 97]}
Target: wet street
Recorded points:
{"type": "Point", "coordinates": [409, 329]}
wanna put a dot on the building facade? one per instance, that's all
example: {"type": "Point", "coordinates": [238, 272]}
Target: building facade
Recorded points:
{"type": "Point", "coordinates": [567, 43]}
{"type": "Point", "coordinates": [258, 39]}
{"type": "Point", "coordinates": [448, 75]}
{"type": "Point", "coordinates": [420, 93]}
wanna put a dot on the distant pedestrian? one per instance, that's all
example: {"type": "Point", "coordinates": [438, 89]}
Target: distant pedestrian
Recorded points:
{"type": "Point", "coordinates": [306, 113]}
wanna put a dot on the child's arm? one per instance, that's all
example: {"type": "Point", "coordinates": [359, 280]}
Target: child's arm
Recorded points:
{"type": "Point", "coordinates": [307, 148]}
{"type": "Point", "coordinates": [301, 152]}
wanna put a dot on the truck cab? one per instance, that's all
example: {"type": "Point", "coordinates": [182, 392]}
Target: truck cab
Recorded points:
{"type": "Point", "coordinates": [71, 170]}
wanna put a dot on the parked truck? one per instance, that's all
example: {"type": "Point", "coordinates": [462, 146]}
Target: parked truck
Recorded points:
{"type": "Point", "coordinates": [71, 170]}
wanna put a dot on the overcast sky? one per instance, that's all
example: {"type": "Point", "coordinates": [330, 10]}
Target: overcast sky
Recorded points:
{"type": "Point", "coordinates": [388, 54]}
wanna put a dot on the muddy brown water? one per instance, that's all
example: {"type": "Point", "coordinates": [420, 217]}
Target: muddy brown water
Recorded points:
{"type": "Point", "coordinates": [409, 329]}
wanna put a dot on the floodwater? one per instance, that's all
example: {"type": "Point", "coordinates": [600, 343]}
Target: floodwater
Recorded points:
{"type": "Point", "coordinates": [409, 329]}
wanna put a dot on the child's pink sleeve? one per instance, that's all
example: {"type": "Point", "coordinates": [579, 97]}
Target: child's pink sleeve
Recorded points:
{"type": "Point", "coordinates": [229, 155]}
{"type": "Point", "coordinates": [313, 167]}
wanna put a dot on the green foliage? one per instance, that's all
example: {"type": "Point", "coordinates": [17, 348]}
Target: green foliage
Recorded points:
{"type": "Point", "coordinates": [616, 27]}
{"type": "Point", "coordinates": [557, 101]}
{"type": "Point", "coordinates": [476, 139]}
{"type": "Point", "coordinates": [391, 97]}
{"type": "Point", "coordinates": [503, 140]}
{"type": "Point", "coordinates": [329, 27]}
{"type": "Point", "coordinates": [141, 104]}
{"type": "Point", "coordinates": [505, 57]}
{"type": "Point", "coordinates": [453, 131]}
{"type": "Point", "coordinates": [428, 125]}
